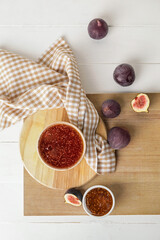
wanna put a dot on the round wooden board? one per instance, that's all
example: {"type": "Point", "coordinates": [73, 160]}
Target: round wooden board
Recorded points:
{"type": "Point", "coordinates": [32, 127]}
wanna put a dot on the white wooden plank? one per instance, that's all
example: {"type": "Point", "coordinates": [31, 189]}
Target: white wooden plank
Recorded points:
{"type": "Point", "coordinates": [121, 219]}
{"type": "Point", "coordinates": [11, 202]}
{"type": "Point", "coordinates": [123, 44]}
{"type": "Point", "coordinates": [10, 163]}
{"type": "Point", "coordinates": [79, 231]}
{"type": "Point", "coordinates": [98, 78]}
{"type": "Point", "coordinates": [126, 12]}
{"type": "Point", "coordinates": [11, 134]}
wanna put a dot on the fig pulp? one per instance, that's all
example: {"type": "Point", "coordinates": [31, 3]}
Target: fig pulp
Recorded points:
{"type": "Point", "coordinates": [111, 108]}
{"type": "Point", "coordinates": [73, 196]}
{"type": "Point", "coordinates": [140, 103]}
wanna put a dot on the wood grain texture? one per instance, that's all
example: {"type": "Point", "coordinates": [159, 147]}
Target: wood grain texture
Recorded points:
{"type": "Point", "coordinates": [136, 182]}
{"type": "Point", "coordinates": [31, 130]}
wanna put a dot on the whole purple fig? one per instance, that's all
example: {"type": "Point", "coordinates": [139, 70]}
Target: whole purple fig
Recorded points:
{"type": "Point", "coordinates": [118, 138]}
{"type": "Point", "coordinates": [97, 28]}
{"type": "Point", "coordinates": [124, 75]}
{"type": "Point", "coordinates": [111, 108]}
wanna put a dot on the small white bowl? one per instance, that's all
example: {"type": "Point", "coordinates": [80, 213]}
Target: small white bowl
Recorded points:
{"type": "Point", "coordinates": [84, 146]}
{"type": "Point", "coordinates": [84, 201]}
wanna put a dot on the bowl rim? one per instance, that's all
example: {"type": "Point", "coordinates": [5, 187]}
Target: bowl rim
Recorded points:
{"type": "Point", "coordinates": [83, 139]}
{"type": "Point", "coordinates": [84, 202]}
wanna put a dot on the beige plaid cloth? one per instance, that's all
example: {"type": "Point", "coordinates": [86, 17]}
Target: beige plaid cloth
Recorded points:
{"type": "Point", "coordinates": [52, 82]}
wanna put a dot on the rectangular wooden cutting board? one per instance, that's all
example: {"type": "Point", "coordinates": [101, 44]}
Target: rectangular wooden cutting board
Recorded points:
{"type": "Point", "coordinates": [136, 182]}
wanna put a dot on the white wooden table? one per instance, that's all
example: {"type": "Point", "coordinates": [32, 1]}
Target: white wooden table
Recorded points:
{"type": "Point", "coordinates": [28, 28]}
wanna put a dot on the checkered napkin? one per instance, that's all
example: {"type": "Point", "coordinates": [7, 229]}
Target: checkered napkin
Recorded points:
{"type": "Point", "coordinates": [52, 82]}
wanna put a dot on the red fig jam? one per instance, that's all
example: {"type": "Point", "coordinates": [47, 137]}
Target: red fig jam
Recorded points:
{"type": "Point", "coordinates": [60, 146]}
{"type": "Point", "coordinates": [99, 201]}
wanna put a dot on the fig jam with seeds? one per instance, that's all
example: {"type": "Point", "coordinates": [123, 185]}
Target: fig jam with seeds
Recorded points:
{"type": "Point", "coordinates": [60, 146]}
{"type": "Point", "coordinates": [99, 201]}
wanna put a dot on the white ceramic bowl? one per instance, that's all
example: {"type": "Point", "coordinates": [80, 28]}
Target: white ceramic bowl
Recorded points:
{"type": "Point", "coordinates": [84, 146]}
{"type": "Point", "coordinates": [84, 201]}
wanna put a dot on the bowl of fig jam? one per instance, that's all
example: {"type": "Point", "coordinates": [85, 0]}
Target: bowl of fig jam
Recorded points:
{"type": "Point", "coordinates": [61, 146]}
{"type": "Point", "coordinates": [98, 201]}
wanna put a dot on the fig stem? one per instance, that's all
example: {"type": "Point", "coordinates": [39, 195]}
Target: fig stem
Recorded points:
{"type": "Point", "coordinates": [99, 23]}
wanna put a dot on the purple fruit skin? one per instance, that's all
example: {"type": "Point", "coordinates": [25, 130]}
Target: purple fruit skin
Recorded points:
{"type": "Point", "coordinates": [124, 75]}
{"type": "Point", "coordinates": [97, 28]}
{"type": "Point", "coordinates": [75, 192]}
{"type": "Point", "coordinates": [118, 138]}
{"type": "Point", "coordinates": [111, 108]}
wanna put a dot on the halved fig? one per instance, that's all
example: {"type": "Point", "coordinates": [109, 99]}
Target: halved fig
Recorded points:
{"type": "Point", "coordinates": [140, 103]}
{"type": "Point", "coordinates": [73, 196]}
